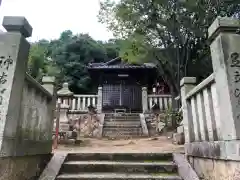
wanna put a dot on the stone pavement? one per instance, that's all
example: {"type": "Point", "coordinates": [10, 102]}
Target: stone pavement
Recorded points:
{"type": "Point", "coordinates": [141, 145]}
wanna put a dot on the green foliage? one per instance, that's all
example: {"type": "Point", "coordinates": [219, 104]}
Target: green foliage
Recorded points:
{"type": "Point", "coordinates": [171, 33]}
{"type": "Point", "coordinates": [67, 57]}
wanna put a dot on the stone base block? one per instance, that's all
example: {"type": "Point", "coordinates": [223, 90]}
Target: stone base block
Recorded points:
{"type": "Point", "coordinates": [180, 129]}
{"type": "Point", "coordinates": [24, 167]}
{"type": "Point", "coordinates": [214, 169]}
{"type": "Point", "coordinates": [178, 138]}
{"type": "Point", "coordinates": [64, 127]}
{"type": "Point", "coordinates": [224, 150]}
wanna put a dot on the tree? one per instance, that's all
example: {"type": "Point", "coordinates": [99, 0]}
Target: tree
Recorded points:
{"type": "Point", "coordinates": [172, 33]}
{"type": "Point", "coordinates": [67, 58]}
{"type": "Point", "coordinates": [36, 61]}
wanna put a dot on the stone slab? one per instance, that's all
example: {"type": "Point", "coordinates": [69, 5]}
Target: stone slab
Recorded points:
{"type": "Point", "coordinates": [188, 80]}
{"type": "Point", "coordinates": [17, 24]}
{"type": "Point", "coordinates": [222, 150]}
{"type": "Point", "coordinates": [116, 176]}
{"type": "Point", "coordinates": [222, 24]}
{"type": "Point", "coordinates": [184, 168]}
{"type": "Point", "coordinates": [53, 167]}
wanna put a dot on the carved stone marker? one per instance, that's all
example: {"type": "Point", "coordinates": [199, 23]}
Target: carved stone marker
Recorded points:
{"type": "Point", "coordinates": [225, 50]}
{"type": "Point", "coordinates": [14, 50]}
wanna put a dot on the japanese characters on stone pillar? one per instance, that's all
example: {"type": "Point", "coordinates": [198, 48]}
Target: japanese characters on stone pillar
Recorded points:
{"type": "Point", "coordinates": [99, 100]}
{"type": "Point", "coordinates": [225, 50]}
{"type": "Point", "coordinates": [187, 84]}
{"type": "Point", "coordinates": [144, 99]}
{"type": "Point", "coordinates": [14, 50]}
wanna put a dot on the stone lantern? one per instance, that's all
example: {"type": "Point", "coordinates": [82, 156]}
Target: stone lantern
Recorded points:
{"type": "Point", "coordinates": [65, 95]}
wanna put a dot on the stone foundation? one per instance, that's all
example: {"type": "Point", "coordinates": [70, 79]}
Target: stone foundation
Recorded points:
{"type": "Point", "coordinates": [212, 169]}
{"type": "Point", "coordinates": [24, 168]}
{"type": "Point", "coordinates": [89, 125]}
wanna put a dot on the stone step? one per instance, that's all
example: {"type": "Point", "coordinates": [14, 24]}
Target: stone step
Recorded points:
{"type": "Point", "coordinates": [122, 125]}
{"type": "Point", "coordinates": [121, 135]}
{"type": "Point", "coordinates": [119, 167]}
{"type": "Point", "coordinates": [122, 114]}
{"type": "Point", "coordinates": [117, 176]}
{"type": "Point", "coordinates": [126, 157]}
{"type": "Point", "coordinates": [121, 131]}
{"type": "Point", "coordinates": [123, 118]}
{"type": "Point", "coordinates": [122, 122]}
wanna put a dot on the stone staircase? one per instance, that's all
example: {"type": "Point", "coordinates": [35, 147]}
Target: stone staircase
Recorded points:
{"type": "Point", "coordinates": [122, 126]}
{"type": "Point", "coordinates": [95, 166]}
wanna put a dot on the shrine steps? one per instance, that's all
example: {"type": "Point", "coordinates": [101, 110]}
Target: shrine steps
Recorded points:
{"type": "Point", "coordinates": [122, 126]}
{"type": "Point", "coordinates": [114, 166]}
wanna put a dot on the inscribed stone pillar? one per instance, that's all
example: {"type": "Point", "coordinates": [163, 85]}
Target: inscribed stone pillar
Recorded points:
{"type": "Point", "coordinates": [187, 84]}
{"type": "Point", "coordinates": [14, 50]}
{"type": "Point", "coordinates": [225, 51]}
{"type": "Point", "coordinates": [144, 99]}
{"type": "Point", "coordinates": [100, 100]}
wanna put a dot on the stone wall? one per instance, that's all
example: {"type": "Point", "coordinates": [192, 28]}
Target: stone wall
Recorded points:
{"type": "Point", "coordinates": [35, 120]}
{"type": "Point", "coordinates": [210, 169]}
{"type": "Point", "coordinates": [158, 124]}
{"type": "Point", "coordinates": [24, 168]}
{"type": "Point", "coordinates": [88, 125]}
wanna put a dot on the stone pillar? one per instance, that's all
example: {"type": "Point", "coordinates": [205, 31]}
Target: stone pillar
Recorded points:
{"type": "Point", "coordinates": [144, 99]}
{"type": "Point", "coordinates": [100, 100]}
{"type": "Point", "coordinates": [65, 95]}
{"type": "Point", "coordinates": [14, 50]}
{"type": "Point", "coordinates": [63, 120]}
{"type": "Point", "coordinates": [225, 51]}
{"type": "Point", "coordinates": [49, 84]}
{"type": "Point", "coordinates": [187, 84]}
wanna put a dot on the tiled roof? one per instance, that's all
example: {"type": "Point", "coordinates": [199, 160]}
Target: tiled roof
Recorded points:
{"type": "Point", "coordinates": [118, 64]}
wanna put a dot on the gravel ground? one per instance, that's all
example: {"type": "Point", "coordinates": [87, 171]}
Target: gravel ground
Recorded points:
{"type": "Point", "coordinates": [141, 145]}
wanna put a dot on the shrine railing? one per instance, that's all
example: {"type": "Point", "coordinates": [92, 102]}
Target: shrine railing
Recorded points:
{"type": "Point", "coordinates": [82, 102]}
{"type": "Point", "coordinates": [79, 102]}
{"type": "Point", "coordinates": [201, 111]}
{"type": "Point", "coordinates": [162, 101]}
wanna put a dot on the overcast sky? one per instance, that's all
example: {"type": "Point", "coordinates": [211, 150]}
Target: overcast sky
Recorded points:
{"type": "Point", "coordinates": [50, 17]}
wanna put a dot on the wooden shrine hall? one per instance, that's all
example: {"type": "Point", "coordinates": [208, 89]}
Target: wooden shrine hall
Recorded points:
{"type": "Point", "coordinates": [124, 85]}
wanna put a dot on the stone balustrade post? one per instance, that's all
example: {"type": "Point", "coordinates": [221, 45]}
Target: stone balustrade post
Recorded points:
{"type": "Point", "coordinates": [14, 50]}
{"type": "Point", "coordinates": [48, 82]}
{"type": "Point", "coordinates": [100, 99]}
{"type": "Point", "coordinates": [225, 50]}
{"type": "Point", "coordinates": [187, 84]}
{"type": "Point", "coordinates": [65, 95]}
{"type": "Point", "coordinates": [144, 99]}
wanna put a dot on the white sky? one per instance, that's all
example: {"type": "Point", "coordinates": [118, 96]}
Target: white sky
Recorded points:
{"type": "Point", "coordinates": [50, 17]}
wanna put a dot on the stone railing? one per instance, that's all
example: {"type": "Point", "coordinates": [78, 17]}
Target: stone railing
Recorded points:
{"type": "Point", "coordinates": [164, 102]}
{"type": "Point", "coordinates": [211, 115]}
{"type": "Point", "coordinates": [82, 102]}
{"type": "Point", "coordinates": [36, 117]}
{"type": "Point", "coordinates": [76, 102]}
{"type": "Point", "coordinates": [201, 110]}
